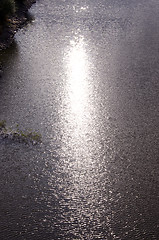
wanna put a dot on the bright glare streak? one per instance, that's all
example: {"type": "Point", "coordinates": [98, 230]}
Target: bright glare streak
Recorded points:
{"type": "Point", "coordinates": [80, 9]}
{"type": "Point", "coordinates": [77, 77]}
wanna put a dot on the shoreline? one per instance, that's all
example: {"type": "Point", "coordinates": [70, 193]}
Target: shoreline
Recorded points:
{"type": "Point", "coordinates": [15, 23]}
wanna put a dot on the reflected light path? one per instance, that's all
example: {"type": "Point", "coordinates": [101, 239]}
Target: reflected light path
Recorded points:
{"type": "Point", "coordinates": [78, 73]}
{"type": "Point", "coordinates": [79, 136]}
{"type": "Point", "coordinates": [80, 150]}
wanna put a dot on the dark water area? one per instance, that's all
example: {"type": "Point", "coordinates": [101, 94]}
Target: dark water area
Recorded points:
{"type": "Point", "coordinates": [86, 75]}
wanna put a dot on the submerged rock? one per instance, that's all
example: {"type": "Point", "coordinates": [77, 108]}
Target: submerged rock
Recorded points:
{"type": "Point", "coordinates": [19, 136]}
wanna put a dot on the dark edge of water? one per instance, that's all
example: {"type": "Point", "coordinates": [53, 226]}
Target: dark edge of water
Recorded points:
{"type": "Point", "coordinates": [7, 36]}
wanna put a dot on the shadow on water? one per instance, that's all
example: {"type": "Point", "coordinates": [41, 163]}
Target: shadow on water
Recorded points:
{"type": "Point", "coordinates": [30, 18]}
{"type": "Point", "coordinates": [9, 53]}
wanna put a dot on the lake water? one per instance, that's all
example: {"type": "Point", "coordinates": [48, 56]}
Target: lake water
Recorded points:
{"type": "Point", "coordinates": [85, 74]}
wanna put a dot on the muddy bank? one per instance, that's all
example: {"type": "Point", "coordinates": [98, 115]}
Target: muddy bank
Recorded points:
{"type": "Point", "coordinates": [14, 23]}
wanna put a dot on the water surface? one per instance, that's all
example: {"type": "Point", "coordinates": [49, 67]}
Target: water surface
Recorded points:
{"type": "Point", "coordinates": [85, 74]}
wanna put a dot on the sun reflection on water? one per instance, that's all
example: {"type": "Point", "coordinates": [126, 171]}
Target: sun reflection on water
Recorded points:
{"type": "Point", "coordinates": [79, 9]}
{"type": "Point", "coordinates": [78, 73]}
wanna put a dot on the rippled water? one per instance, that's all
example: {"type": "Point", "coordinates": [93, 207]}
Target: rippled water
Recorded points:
{"type": "Point", "coordinates": [85, 74]}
